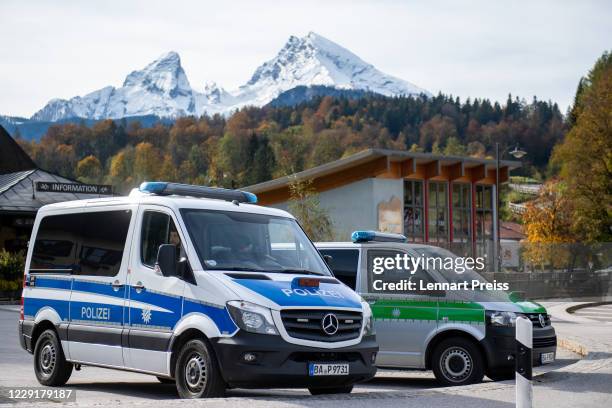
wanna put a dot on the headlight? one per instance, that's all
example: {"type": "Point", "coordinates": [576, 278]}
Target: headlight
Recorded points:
{"type": "Point", "coordinates": [368, 317]}
{"type": "Point", "coordinates": [251, 317]}
{"type": "Point", "coordinates": [502, 319]}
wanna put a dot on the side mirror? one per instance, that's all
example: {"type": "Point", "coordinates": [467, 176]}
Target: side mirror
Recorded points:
{"type": "Point", "coordinates": [328, 259]}
{"type": "Point", "coordinates": [166, 260]}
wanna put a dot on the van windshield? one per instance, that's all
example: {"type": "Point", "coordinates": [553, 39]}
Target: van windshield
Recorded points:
{"type": "Point", "coordinates": [236, 241]}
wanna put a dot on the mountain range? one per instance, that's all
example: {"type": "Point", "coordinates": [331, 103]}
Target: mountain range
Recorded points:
{"type": "Point", "coordinates": [162, 89]}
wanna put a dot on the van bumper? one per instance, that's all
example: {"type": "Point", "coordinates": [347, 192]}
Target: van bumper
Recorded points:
{"type": "Point", "coordinates": [25, 334]}
{"type": "Point", "coordinates": [280, 364]}
{"type": "Point", "coordinates": [500, 347]}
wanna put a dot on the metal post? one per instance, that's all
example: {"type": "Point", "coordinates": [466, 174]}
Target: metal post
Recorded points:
{"type": "Point", "coordinates": [524, 362]}
{"type": "Point", "coordinates": [497, 232]}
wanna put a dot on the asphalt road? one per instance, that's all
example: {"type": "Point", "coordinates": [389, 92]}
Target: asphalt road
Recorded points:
{"type": "Point", "coordinates": [101, 387]}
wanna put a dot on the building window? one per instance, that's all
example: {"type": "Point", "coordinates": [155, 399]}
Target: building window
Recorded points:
{"type": "Point", "coordinates": [484, 220]}
{"type": "Point", "coordinates": [462, 212]}
{"type": "Point", "coordinates": [413, 210]}
{"type": "Point", "coordinates": [438, 212]}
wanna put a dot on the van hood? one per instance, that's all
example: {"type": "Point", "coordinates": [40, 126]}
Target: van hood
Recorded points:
{"type": "Point", "coordinates": [503, 302]}
{"type": "Point", "coordinates": [277, 291]}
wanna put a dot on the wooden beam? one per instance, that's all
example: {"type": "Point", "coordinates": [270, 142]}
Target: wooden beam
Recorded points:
{"type": "Point", "coordinates": [476, 173]}
{"type": "Point", "coordinates": [453, 172]}
{"type": "Point", "coordinates": [340, 178]}
{"type": "Point", "coordinates": [428, 170]}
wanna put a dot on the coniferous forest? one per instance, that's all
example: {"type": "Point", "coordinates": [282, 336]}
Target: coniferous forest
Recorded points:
{"type": "Point", "coordinates": [257, 144]}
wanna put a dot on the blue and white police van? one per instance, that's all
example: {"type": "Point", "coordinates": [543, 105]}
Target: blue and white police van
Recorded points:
{"type": "Point", "coordinates": [190, 284]}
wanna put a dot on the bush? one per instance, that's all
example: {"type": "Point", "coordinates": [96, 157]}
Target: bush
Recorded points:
{"type": "Point", "coordinates": [12, 266]}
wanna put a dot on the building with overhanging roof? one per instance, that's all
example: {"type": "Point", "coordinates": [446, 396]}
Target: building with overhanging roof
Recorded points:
{"type": "Point", "coordinates": [20, 198]}
{"type": "Point", "coordinates": [443, 200]}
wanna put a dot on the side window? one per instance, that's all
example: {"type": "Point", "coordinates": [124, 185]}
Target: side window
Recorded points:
{"type": "Point", "coordinates": [157, 229]}
{"type": "Point", "coordinates": [396, 275]}
{"type": "Point", "coordinates": [344, 264]}
{"type": "Point", "coordinates": [103, 237]}
{"type": "Point", "coordinates": [56, 244]}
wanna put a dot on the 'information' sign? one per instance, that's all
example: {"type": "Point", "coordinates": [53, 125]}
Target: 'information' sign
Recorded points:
{"type": "Point", "coordinates": [50, 187]}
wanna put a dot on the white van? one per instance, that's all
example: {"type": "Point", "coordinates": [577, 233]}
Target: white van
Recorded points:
{"type": "Point", "coordinates": [190, 284]}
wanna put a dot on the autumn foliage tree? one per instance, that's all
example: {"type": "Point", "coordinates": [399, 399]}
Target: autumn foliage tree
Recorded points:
{"type": "Point", "coordinates": [584, 158]}
{"type": "Point", "coordinates": [305, 206]}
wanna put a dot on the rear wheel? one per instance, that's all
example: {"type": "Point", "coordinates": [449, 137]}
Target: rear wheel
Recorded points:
{"type": "Point", "coordinates": [50, 365]}
{"type": "Point", "coordinates": [457, 361]}
{"type": "Point", "coordinates": [197, 373]}
{"type": "Point", "coordinates": [331, 390]}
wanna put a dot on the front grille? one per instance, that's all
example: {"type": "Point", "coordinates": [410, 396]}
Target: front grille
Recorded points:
{"type": "Point", "coordinates": [535, 319]}
{"type": "Point", "coordinates": [544, 342]}
{"type": "Point", "coordinates": [307, 324]}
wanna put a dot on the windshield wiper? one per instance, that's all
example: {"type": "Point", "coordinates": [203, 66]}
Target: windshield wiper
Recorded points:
{"type": "Point", "coordinates": [297, 271]}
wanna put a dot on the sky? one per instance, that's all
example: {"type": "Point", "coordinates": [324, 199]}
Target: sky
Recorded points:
{"type": "Point", "coordinates": [64, 48]}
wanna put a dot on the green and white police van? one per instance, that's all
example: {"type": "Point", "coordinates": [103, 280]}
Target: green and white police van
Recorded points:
{"type": "Point", "coordinates": [460, 334]}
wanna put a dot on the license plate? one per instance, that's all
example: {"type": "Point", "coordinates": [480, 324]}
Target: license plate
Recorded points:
{"type": "Point", "coordinates": [316, 369]}
{"type": "Point", "coordinates": [546, 358]}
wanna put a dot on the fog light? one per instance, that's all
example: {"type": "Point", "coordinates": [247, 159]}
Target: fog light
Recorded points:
{"type": "Point", "coordinates": [249, 357]}
{"type": "Point", "coordinates": [373, 358]}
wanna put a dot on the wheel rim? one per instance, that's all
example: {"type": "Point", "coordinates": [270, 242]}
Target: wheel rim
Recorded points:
{"type": "Point", "coordinates": [456, 364]}
{"type": "Point", "coordinates": [47, 359]}
{"type": "Point", "coordinates": [195, 372]}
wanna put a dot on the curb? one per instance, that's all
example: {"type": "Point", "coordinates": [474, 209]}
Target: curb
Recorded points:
{"type": "Point", "coordinates": [572, 309]}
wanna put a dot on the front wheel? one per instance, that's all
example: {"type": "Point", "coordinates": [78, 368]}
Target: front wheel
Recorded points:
{"type": "Point", "coordinates": [331, 390]}
{"type": "Point", "coordinates": [457, 361]}
{"type": "Point", "coordinates": [50, 365]}
{"type": "Point", "coordinates": [197, 373]}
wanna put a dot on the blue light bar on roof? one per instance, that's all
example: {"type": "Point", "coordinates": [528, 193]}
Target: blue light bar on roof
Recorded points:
{"type": "Point", "coordinates": [164, 188]}
{"type": "Point", "coordinates": [375, 236]}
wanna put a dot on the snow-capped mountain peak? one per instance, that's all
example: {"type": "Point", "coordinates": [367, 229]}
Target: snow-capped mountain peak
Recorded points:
{"type": "Point", "coordinates": [161, 88]}
{"type": "Point", "coordinates": [316, 60]}
{"type": "Point", "coordinates": [165, 74]}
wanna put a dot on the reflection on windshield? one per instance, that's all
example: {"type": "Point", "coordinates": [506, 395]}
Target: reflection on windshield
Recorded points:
{"type": "Point", "coordinates": [227, 240]}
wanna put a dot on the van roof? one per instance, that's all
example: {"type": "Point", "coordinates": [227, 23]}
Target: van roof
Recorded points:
{"type": "Point", "coordinates": [373, 244]}
{"type": "Point", "coordinates": [172, 201]}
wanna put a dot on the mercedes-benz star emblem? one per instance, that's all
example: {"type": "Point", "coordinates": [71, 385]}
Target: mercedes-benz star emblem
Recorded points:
{"type": "Point", "coordinates": [542, 320]}
{"type": "Point", "coordinates": [329, 324]}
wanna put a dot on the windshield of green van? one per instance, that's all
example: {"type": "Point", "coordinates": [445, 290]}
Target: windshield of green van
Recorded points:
{"type": "Point", "coordinates": [451, 274]}
{"type": "Point", "coordinates": [237, 241]}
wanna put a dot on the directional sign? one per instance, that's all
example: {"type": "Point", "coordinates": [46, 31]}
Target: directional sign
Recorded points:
{"type": "Point", "coordinates": [52, 187]}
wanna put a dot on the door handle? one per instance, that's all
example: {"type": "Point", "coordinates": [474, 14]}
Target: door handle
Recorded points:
{"type": "Point", "coordinates": [138, 287]}
{"type": "Point", "coordinates": [117, 285]}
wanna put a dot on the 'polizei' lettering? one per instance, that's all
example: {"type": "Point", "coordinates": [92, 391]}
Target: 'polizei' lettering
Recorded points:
{"type": "Point", "coordinates": [312, 292]}
{"type": "Point", "coordinates": [95, 313]}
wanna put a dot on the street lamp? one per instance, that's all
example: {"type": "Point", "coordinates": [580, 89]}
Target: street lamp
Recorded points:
{"type": "Point", "coordinates": [517, 153]}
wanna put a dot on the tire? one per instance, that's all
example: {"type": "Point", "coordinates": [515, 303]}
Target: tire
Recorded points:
{"type": "Point", "coordinates": [165, 380]}
{"type": "Point", "coordinates": [501, 375]}
{"type": "Point", "coordinates": [457, 361]}
{"type": "Point", "coordinates": [331, 390]}
{"type": "Point", "coordinates": [197, 373]}
{"type": "Point", "coordinates": [50, 365]}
